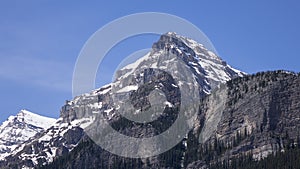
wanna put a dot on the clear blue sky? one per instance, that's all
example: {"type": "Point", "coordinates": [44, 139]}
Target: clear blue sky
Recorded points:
{"type": "Point", "coordinates": [40, 41]}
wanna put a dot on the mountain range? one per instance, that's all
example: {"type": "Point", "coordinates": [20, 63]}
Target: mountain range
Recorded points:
{"type": "Point", "coordinates": [240, 116]}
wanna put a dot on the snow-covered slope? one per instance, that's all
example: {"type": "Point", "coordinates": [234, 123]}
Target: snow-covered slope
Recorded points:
{"type": "Point", "coordinates": [18, 129]}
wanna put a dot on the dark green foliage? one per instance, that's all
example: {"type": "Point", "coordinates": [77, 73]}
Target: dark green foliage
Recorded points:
{"type": "Point", "coordinates": [258, 82]}
{"type": "Point", "coordinates": [290, 159]}
{"type": "Point", "coordinates": [87, 155]}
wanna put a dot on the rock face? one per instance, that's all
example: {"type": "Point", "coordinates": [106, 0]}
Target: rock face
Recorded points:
{"type": "Point", "coordinates": [261, 116]}
{"type": "Point", "coordinates": [18, 129]}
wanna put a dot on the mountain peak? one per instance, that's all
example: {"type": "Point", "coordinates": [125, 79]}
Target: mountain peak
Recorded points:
{"type": "Point", "coordinates": [172, 40]}
{"type": "Point", "coordinates": [209, 69]}
{"type": "Point", "coordinates": [20, 128]}
{"type": "Point", "coordinates": [34, 119]}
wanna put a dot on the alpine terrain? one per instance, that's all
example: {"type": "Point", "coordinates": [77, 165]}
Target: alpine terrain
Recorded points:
{"type": "Point", "coordinates": [241, 120]}
{"type": "Point", "coordinates": [17, 130]}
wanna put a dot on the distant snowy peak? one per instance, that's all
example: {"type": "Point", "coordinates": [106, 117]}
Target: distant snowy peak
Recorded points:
{"type": "Point", "coordinates": [35, 119]}
{"type": "Point", "coordinates": [20, 128]}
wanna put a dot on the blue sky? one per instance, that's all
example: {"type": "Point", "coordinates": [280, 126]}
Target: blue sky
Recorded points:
{"type": "Point", "coordinates": [40, 41]}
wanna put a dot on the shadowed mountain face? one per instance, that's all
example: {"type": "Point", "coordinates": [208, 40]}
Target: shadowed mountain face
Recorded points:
{"type": "Point", "coordinates": [261, 117]}
{"type": "Point", "coordinates": [251, 114]}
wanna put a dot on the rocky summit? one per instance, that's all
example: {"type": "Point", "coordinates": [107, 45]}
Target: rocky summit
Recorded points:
{"type": "Point", "coordinates": [238, 116]}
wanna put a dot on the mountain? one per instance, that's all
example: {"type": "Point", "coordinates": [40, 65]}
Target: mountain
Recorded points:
{"type": "Point", "coordinates": [173, 54]}
{"type": "Point", "coordinates": [240, 116]}
{"type": "Point", "coordinates": [18, 129]}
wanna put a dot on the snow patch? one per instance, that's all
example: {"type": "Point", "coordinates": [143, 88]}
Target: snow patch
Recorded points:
{"type": "Point", "coordinates": [34, 119]}
{"type": "Point", "coordinates": [127, 89]}
{"type": "Point", "coordinates": [168, 104]}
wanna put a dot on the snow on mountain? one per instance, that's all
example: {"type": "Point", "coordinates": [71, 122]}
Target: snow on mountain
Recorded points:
{"type": "Point", "coordinates": [18, 129]}
{"type": "Point", "coordinates": [60, 138]}
{"type": "Point", "coordinates": [56, 141]}
{"type": "Point", "coordinates": [209, 69]}
{"type": "Point", "coordinates": [214, 66]}
{"type": "Point", "coordinates": [35, 119]}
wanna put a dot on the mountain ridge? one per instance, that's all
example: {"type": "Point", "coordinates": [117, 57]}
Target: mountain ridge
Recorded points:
{"type": "Point", "coordinates": [222, 89]}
